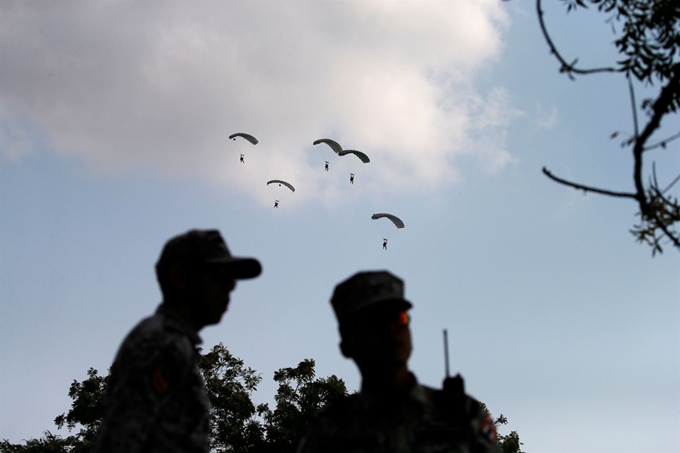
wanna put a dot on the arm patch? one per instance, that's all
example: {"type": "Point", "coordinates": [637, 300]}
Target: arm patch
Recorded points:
{"type": "Point", "coordinates": [161, 381]}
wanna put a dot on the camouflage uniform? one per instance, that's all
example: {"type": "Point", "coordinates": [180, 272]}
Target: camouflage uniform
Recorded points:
{"type": "Point", "coordinates": [156, 399]}
{"type": "Point", "coordinates": [419, 422]}
{"type": "Point", "coordinates": [415, 419]}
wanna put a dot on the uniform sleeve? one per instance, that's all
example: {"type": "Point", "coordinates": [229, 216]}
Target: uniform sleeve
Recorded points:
{"type": "Point", "coordinates": [314, 440]}
{"type": "Point", "coordinates": [143, 378]}
{"type": "Point", "coordinates": [484, 432]}
{"type": "Point", "coordinates": [323, 435]}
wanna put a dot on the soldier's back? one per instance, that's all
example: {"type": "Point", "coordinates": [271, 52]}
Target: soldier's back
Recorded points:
{"type": "Point", "coordinates": [420, 422]}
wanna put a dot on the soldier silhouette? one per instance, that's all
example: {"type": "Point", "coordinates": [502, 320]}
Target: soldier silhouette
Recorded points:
{"type": "Point", "coordinates": [392, 412]}
{"type": "Point", "coordinates": [155, 372]}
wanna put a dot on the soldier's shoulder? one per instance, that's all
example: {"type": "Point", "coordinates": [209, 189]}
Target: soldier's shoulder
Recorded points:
{"type": "Point", "coordinates": [466, 411]}
{"type": "Point", "coordinates": [157, 327]}
{"type": "Point", "coordinates": [153, 336]}
{"type": "Point", "coordinates": [473, 406]}
{"type": "Point", "coordinates": [148, 330]}
{"type": "Point", "coordinates": [340, 408]}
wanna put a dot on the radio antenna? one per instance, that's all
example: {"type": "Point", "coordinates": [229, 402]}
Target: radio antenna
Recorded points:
{"type": "Point", "coordinates": [446, 352]}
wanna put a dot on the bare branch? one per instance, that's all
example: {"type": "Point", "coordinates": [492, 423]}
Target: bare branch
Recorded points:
{"type": "Point", "coordinates": [588, 188]}
{"type": "Point", "coordinates": [658, 213]}
{"type": "Point", "coordinates": [655, 181]}
{"type": "Point", "coordinates": [662, 143]}
{"type": "Point", "coordinates": [677, 178]}
{"type": "Point", "coordinates": [633, 105]}
{"type": "Point", "coordinates": [569, 68]}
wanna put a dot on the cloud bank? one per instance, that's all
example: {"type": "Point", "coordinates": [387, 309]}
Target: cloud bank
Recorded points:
{"type": "Point", "coordinates": [124, 85]}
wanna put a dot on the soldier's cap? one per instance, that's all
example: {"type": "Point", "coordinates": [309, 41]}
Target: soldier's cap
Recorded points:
{"type": "Point", "coordinates": [198, 247]}
{"type": "Point", "coordinates": [368, 290]}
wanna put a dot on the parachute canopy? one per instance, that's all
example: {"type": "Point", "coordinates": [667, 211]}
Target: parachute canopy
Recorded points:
{"type": "Point", "coordinates": [279, 182]}
{"type": "Point", "coordinates": [335, 146]}
{"type": "Point", "coordinates": [364, 158]}
{"type": "Point", "coordinates": [248, 137]}
{"type": "Point", "coordinates": [396, 220]}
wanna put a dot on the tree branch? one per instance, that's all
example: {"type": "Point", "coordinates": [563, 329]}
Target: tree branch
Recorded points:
{"type": "Point", "coordinates": [588, 188]}
{"type": "Point", "coordinates": [677, 178]}
{"type": "Point", "coordinates": [657, 212]}
{"type": "Point", "coordinates": [633, 105]}
{"type": "Point", "coordinates": [669, 234]}
{"type": "Point", "coordinates": [661, 107]}
{"type": "Point", "coordinates": [569, 68]}
{"type": "Point", "coordinates": [662, 143]}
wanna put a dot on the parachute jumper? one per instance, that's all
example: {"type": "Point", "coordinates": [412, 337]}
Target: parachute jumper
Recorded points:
{"type": "Point", "coordinates": [361, 156]}
{"type": "Point", "coordinates": [240, 145]}
{"type": "Point", "coordinates": [392, 218]}
{"type": "Point", "coordinates": [332, 144]}
{"type": "Point", "coordinates": [280, 191]}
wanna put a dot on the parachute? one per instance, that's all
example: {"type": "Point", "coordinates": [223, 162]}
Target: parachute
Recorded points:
{"type": "Point", "coordinates": [364, 158]}
{"type": "Point", "coordinates": [279, 182]}
{"type": "Point", "coordinates": [248, 137]}
{"type": "Point", "coordinates": [335, 146]}
{"type": "Point", "coordinates": [395, 220]}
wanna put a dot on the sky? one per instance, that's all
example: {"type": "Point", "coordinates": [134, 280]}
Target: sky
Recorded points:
{"type": "Point", "coordinates": [115, 119]}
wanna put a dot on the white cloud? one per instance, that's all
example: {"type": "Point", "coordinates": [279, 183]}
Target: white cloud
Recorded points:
{"type": "Point", "coordinates": [124, 84]}
{"type": "Point", "coordinates": [545, 119]}
{"type": "Point", "coordinates": [16, 135]}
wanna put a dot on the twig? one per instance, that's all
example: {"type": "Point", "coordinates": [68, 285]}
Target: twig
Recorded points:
{"type": "Point", "coordinates": [588, 188]}
{"type": "Point", "coordinates": [677, 178]}
{"type": "Point", "coordinates": [566, 67]}
{"type": "Point", "coordinates": [669, 234]}
{"type": "Point", "coordinates": [662, 143]}
{"type": "Point", "coordinates": [632, 104]}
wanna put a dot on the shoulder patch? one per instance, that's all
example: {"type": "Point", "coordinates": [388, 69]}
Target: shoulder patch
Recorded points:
{"type": "Point", "coordinates": [488, 429]}
{"type": "Point", "coordinates": [161, 380]}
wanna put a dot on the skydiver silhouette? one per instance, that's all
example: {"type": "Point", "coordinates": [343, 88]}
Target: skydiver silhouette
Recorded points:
{"type": "Point", "coordinates": [241, 159]}
{"type": "Point", "coordinates": [276, 204]}
{"type": "Point", "coordinates": [326, 166]}
{"type": "Point", "coordinates": [384, 244]}
{"type": "Point", "coordinates": [351, 178]}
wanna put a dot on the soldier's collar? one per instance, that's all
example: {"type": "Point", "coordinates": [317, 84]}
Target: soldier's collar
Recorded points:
{"type": "Point", "coordinates": [414, 391]}
{"type": "Point", "coordinates": [181, 324]}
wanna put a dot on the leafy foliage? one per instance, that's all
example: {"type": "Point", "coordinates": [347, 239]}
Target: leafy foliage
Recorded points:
{"type": "Point", "coordinates": [298, 399]}
{"type": "Point", "coordinates": [509, 443]}
{"type": "Point", "coordinates": [237, 425]}
{"type": "Point", "coordinates": [233, 423]}
{"type": "Point", "coordinates": [87, 409]}
{"type": "Point", "coordinates": [647, 36]}
{"type": "Point", "coordinates": [51, 443]}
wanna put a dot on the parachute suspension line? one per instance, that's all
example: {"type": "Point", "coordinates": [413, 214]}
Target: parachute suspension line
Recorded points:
{"type": "Point", "coordinates": [383, 233]}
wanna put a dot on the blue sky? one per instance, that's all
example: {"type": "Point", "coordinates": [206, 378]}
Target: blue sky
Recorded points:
{"type": "Point", "coordinates": [114, 125]}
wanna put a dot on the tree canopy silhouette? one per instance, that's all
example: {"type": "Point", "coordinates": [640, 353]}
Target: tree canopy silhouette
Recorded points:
{"type": "Point", "coordinates": [237, 424]}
